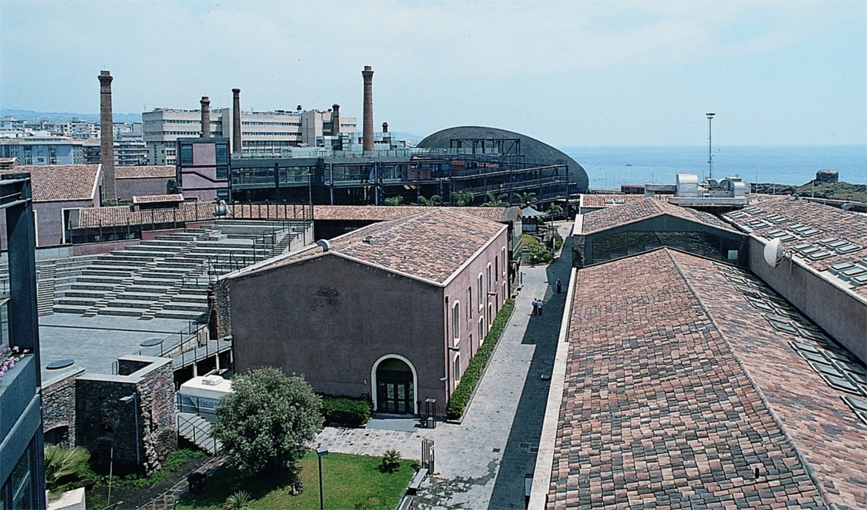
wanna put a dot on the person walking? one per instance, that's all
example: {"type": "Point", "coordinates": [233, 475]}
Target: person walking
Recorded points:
{"type": "Point", "coordinates": [535, 306]}
{"type": "Point", "coordinates": [541, 303]}
{"type": "Point", "coordinates": [559, 285]}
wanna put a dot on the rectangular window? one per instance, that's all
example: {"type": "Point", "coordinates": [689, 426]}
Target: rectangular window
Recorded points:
{"type": "Point", "coordinates": [222, 153]}
{"type": "Point", "coordinates": [489, 278]}
{"type": "Point", "coordinates": [457, 367]}
{"type": "Point", "coordinates": [481, 291]}
{"type": "Point", "coordinates": [469, 303]}
{"type": "Point", "coordinates": [222, 172]}
{"type": "Point", "coordinates": [456, 322]}
{"type": "Point", "coordinates": [505, 262]}
{"type": "Point", "coordinates": [497, 268]}
{"type": "Point", "coordinates": [186, 154]}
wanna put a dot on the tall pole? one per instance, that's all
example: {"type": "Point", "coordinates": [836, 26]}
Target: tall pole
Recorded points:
{"type": "Point", "coordinates": [709, 153]}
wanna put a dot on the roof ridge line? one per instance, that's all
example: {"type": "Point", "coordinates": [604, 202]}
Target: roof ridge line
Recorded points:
{"type": "Point", "coordinates": [820, 487]}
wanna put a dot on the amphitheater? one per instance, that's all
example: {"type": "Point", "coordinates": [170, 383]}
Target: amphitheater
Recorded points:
{"type": "Point", "coordinates": [149, 298]}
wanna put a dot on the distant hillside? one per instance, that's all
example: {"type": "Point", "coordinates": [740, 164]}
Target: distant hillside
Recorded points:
{"type": "Point", "coordinates": [59, 116]}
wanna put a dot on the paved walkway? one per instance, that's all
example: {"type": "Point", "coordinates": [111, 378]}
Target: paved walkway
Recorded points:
{"type": "Point", "coordinates": [481, 463]}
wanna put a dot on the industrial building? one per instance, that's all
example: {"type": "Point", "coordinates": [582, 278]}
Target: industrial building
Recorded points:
{"type": "Point", "coordinates": [394, 310]}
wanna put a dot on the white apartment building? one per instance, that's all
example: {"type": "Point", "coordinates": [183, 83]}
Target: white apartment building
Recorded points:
{"type": "Point", "coordinates": [262, 133]}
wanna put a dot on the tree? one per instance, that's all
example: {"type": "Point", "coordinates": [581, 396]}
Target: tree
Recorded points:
{"type": "Point", "coordinates": [462, 198]}
{"type": "Point", "coordinates": [527, 198]}
{"type": "Point", "coordinates": [64, 465]}
{"type": "Point", "coordinates": [267, 421]}
{"type": "Point", "coordinates": [495, 200]}
{"type": "Point", "coordinates": [433, 200]}
{"type": "Point", "coordinates": [555, 209]}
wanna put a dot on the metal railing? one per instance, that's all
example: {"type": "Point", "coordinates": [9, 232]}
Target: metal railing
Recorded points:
{"type": "Point", "coordinates": [196, 432]}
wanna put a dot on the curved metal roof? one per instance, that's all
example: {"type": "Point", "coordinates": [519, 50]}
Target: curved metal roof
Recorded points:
{"type": "Point", "coordinates": [533, 149]}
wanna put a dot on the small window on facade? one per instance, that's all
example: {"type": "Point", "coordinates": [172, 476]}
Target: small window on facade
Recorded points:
{"type": "Point", "coordinates": [222, 153]}
{"type": "Point", "coordinates": [481, 291]}
{"type": "Point", "coordinates": [481, 330]}
{"type": "Point", "coordinates": [456, 321]}
{"type": "Point", "coordinates": [497, 268]}
{"type": "Point", "coordinates": [186, 154]}
{"type": "Point", "coordinates": [505, 262]}
{"type": "Point", "coordinates": [469, 303]}
{"type": "Point", "coordinates": [457, 367]}
{"type": "Point", "coordinates": [489, 278]}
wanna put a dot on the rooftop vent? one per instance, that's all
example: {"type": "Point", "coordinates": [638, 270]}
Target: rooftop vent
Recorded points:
{"type": "Point", "coordinates": [368, 239]}
{"type": "Point", "coordinates": [326, 246]}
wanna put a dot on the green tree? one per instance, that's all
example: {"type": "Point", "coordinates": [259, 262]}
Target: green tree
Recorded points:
{"type": "Point", "coordinates": [495, 200]}
{"type": "Point", "coordinates": [267, 421]}
{"type": "Point", "coordinates": [462, 198]}
{"type": "Point", "coordinates": [527, 198]}
{"type": "Point", "coordinates": [64, 465]}
{"type": "Point", "coordinates": [433, 200]}
{"type": "Point", "coordinates": [555, 209]}
{"type": "Point", "coordinates": [395, 200]}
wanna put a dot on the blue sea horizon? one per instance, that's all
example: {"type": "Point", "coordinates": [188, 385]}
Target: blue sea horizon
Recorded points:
{"type": "Point", "coordinates": [610, 167]}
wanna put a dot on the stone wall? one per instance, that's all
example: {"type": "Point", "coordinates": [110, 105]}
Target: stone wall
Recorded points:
{"type": "Point", "coordinates": [224, 316]}
{"type": "Point", "coordinates": [58, 409]}
{"type": "Point", "coordinates": [141, 429]}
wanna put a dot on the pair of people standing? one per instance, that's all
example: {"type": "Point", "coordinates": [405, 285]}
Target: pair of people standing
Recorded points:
{"type": "Point", "coordinates": [537, 306]}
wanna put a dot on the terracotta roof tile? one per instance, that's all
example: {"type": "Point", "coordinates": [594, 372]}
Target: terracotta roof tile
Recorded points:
{"type": "Point", "coordinates": [431, 245]}
{"type": "Point", "coordinates": [150, 199]}
{"type": "Point", "coordinates": [381, 213]}
{"type": "Point", "coordinates": [643, 209]}
{"type": "Point", "coordinates": [821, 236]}
{"type": "Point", "coordinates": [677, 387]}
{"type": "Point", "coordinates": [55, 183]}
{"type": "Point", "coordinates": [600, 201]}
{"type": "Point", "coordinates": [144, 171]}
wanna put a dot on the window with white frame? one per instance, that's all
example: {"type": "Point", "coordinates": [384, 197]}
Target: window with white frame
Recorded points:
{"type": "Point", "coordinates": [457, 368]}
{"type": "Point", "coordinates": [456, 321]}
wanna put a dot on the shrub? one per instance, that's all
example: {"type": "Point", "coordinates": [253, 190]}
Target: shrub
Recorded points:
{"type": "Point", "coordinates": [461, 396]}
{"type": "Point", "coordinates": [390, 461]}
{"type": "Point", "coordinates": [345, 411]}
{"type": "Point", "coordinates": [64, 465]}
{"type": "Point", "coordinates": [238, 501]}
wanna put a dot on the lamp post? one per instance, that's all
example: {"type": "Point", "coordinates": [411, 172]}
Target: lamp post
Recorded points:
{"type": "Point", "coordinates": [709, 153]}
{"type": "Point", "coordinates": [321, 451]}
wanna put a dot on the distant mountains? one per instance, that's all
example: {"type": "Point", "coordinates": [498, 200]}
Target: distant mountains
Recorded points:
{"type": "Point", "coordinates": [60, 116]}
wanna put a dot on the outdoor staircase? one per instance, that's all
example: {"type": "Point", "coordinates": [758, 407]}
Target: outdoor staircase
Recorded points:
{"type": "Point", "coordinates": [45, 289]}
{"type": "Point", "coordinates": [197, 430]}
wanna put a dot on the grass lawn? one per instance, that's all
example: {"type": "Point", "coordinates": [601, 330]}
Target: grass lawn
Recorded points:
{"type": "Point", "coordinates": [348, 479]}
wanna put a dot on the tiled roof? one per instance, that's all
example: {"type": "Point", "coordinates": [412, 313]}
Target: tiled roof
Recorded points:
{"type": "Point", "coordinates": [191, 211]}
{"type": "Point", "coordinates": [677, 388]}
{"type": "Point", "coordinates": [600, 201]}
{"type": "Point", "coordinates": [144, 171]}
{"type": "Point", "coordinates": [150, 199]}
{"type": "Point", "coordinates": [820, 236]}
{"type": "Point", "coordinates": [382, 213]}
{"type": "Point", "coordinates": [643, 209]}
{"type": "Point", "coordinates": [53, 183]}
{"type": "Point", "coordinates": [430, 245]}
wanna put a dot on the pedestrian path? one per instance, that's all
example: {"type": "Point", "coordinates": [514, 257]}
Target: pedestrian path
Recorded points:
{"type": "Point", "coordinates": [482, 462]}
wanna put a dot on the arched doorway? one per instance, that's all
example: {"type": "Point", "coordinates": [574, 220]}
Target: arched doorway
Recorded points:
{"type": "Point", "coordinates": [394, 383]}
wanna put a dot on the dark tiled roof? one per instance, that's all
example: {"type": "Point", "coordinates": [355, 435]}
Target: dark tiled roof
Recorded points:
{"type": "Point", "coordinates": [643, 209]}
{"type": "Point", "coordinates": [144, 171]}
{"type": "Point", "coordinates": [430, 245]}
{"type": "Point", "coordinates": [677, 388]}
{"type": "Point", "coordinates": [839, 236]}
{"type": "Point", "coordinates": [57, 183]}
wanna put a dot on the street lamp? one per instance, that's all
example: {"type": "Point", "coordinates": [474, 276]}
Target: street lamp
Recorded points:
{"type": "Point", "coordinates": [709, 153]}
{"type": "Point", "coordinates": [321, 451]}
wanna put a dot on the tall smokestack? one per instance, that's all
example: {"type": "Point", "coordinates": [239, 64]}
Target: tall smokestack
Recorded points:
{"type": "Point", "coordinates": [206, 117]}
{"type": "Point", "coordinates": [236, 121]}
{"type": "Point", "coordinates": [367, 134]}
{"type": "Point", "coordinates": [106, 135]}
{"type": "Point", "coordinates": [335, 119]}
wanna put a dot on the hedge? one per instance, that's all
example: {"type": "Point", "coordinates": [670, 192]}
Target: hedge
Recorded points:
{"type": "Point", "coordinates": [462, 394]}
{"type": "Point", "coordinates": [345, 411]}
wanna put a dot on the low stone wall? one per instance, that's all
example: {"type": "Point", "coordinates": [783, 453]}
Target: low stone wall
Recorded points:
{"type": "Point", "coordinates": [58, 409]}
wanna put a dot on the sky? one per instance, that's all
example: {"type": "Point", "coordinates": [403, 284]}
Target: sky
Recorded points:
{"type": "Point", "coordinates": [570, 73]}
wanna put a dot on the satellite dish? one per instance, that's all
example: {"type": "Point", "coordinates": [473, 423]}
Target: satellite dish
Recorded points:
{"type": "Point", "coordinates": [773, 252]}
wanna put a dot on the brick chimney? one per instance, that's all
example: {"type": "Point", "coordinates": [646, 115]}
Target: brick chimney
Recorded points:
{"type": "Point", "coordinates": [335, 119]}
{"type": "Point", "coordinates": [236, 121]}
{"type": "Point", "coordinates": [106, 136]}
{"type": "Point", "coordinates": [206, 117]}
{"type": "Point", "coordinates": [367, 133]}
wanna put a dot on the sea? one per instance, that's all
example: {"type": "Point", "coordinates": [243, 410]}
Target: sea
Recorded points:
{"type": "Point", "coordinates": [610, 167]}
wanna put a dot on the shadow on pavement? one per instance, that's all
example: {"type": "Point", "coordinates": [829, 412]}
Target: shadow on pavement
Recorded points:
{"type": "Point", "coordinates": [519, 456]}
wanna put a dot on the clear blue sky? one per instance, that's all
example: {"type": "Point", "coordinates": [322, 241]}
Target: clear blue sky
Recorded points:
{"type": "Point", "coordinates": [567, 72]}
